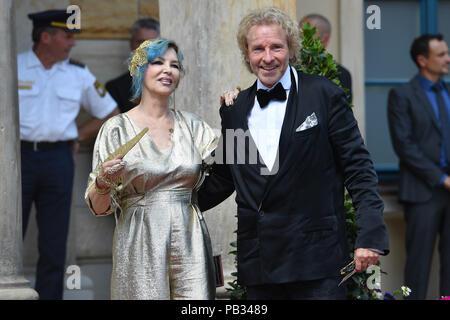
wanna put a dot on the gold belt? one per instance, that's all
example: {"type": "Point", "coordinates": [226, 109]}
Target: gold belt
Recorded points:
{"type": "Point", "coordinates": [152, 197]}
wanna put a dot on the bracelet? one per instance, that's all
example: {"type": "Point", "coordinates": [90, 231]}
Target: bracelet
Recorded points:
{"type": "Point", "coordinates": [101, 191]}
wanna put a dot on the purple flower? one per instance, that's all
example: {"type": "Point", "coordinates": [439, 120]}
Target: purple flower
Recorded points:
{"type": "Point", "coordinates": [388, 296]}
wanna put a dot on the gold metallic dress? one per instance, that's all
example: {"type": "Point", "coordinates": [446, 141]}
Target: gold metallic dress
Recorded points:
{"type": "Point", "coordinates": [161, 245]}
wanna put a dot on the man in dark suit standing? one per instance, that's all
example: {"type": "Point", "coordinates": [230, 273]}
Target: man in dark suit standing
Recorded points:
{"type": "Point", "coordinates": [119, 88]}
{"type": "Point", "coordinates": [418, 115]}
{"type": "Point", "coordinates": [291, 238]}
{"type": "Point", "coordinates": [324, 32]}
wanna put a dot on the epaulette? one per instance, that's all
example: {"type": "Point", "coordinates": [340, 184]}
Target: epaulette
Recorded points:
{"type": "Point", "coordinates": [76, 63]}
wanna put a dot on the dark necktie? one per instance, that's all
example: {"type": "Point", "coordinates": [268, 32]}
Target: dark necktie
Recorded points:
{"type": "Point", "coordinates": [264, 96]}
{"type": "Point", "coordinates": [443, 115]}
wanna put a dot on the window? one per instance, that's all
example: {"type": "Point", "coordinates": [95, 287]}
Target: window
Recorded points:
{"type": "Point", "coordinates": [388, 64]}
{"type": "Point", "coordinates": [444, 24]}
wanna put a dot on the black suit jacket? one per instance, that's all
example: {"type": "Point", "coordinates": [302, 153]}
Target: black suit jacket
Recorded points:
{"type": "Point", "coordinates": [291, 225]}
{"type": "Point", "coordinates": [417, 139]}
{"type": "Point", "coordinates": [120, 89]}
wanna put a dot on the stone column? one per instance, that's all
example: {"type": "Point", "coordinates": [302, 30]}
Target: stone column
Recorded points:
{"type": "Point", "coordinates": [206, 32]}
{"type": "Point", "coordinates": [351, 29]}
{"type": "Point", "coordinates": [12, 283]}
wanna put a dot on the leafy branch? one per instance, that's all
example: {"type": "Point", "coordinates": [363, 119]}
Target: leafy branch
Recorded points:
{"type": "Point", "coordinates": [314, 59]}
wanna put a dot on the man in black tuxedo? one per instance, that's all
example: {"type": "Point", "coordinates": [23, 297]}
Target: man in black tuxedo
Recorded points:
{"type": "Point", "coordinates": [418, 114]}
{"type": "Point", "coordinates": [291, 239]}
{"type": "Point", "coordinates": [120, 87]}
{"type": "Point", "coordinates": [324, 33]}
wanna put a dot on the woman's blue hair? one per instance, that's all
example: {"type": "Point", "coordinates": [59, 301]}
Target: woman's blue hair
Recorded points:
{"type": "Point", "coordinates": [156, 49]}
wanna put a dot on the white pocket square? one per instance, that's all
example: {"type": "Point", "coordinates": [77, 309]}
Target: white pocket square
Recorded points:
{"type": "Point", "coordinates": [311, 121]}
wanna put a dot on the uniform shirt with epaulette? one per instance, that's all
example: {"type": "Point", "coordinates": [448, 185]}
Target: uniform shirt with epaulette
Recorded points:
{"type": "Point", "coordinates": [50, 99]}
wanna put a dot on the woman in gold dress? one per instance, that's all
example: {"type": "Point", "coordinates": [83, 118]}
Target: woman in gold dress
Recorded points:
{"type": "Point", "coordinates": [161, 246]}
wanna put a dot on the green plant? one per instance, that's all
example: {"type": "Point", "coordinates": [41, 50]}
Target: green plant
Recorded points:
{"type": "Point", "coordinates": [357, 288]}
{"type": "Point", "coordinates": [236, 291]}
{"type": "Point", "coordinates": [314, 59]}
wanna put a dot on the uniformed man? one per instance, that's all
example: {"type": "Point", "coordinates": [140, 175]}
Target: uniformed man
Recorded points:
{"type": "Point", "coordinates": [52, 88]}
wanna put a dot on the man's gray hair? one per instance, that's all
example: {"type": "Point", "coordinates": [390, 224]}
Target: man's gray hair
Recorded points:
{"type": "Point", "coordinates": [145, 23]}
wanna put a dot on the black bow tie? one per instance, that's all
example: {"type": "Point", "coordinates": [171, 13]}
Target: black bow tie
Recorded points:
{"type": "Point", "coordinates": [264, 96]}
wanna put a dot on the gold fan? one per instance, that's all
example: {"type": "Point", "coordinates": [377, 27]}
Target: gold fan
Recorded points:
{"type": "Point", "coordinates": [124, 149]}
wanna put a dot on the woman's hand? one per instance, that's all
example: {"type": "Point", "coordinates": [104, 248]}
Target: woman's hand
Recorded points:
{"type": "Point", "coordinates": [228, 97]}
{"type": "Point", "coordinates": [110, 171]}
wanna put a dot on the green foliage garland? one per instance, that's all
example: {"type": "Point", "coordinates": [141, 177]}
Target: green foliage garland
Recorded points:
{"type": "Point", "coordinates": [314, 59]}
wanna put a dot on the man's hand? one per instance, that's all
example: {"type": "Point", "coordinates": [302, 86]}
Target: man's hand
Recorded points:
{"type": "Point", "coordinates": [365, 258]}
{"type": "Point", "coordinates": [228, 97]}
{"type": "Point", "coordinates": [446, 183]}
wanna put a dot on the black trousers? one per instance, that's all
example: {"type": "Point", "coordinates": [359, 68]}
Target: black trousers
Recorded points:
{"type": "Point", "coordinates": [321, 289]}
{"type": "Point", "coordinates": [47, 178]}
{"type": "Point", "coordinates": [424, 222]}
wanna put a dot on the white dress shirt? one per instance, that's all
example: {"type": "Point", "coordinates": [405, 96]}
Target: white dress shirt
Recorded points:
{"type": "Point", "coordinates": [50, 100]}
{"type": "Point", "coordinates": [265, 124]}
